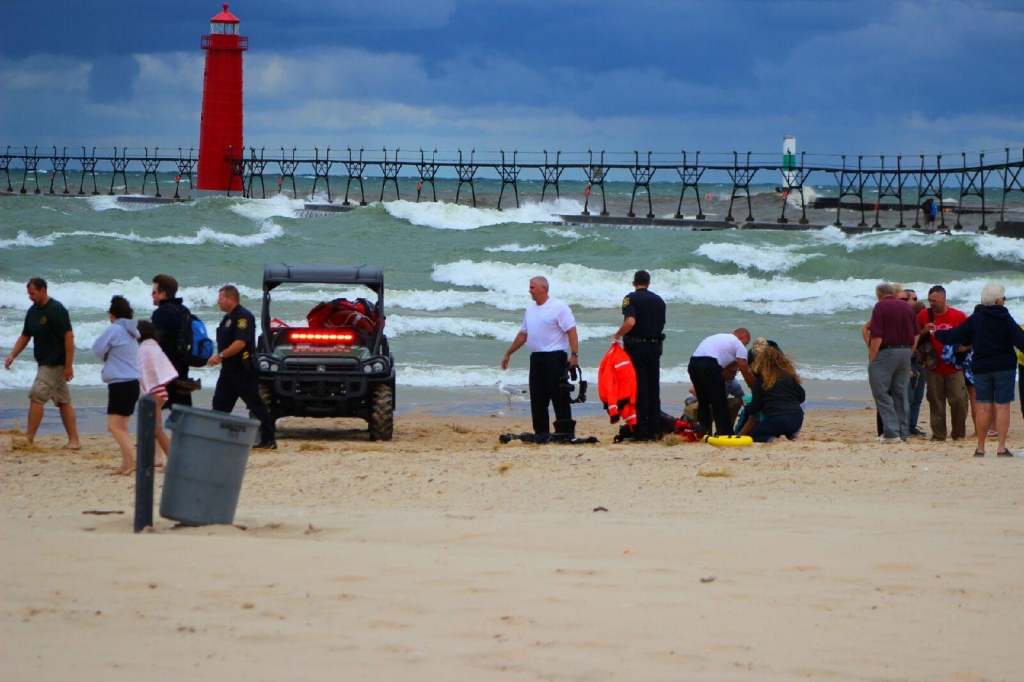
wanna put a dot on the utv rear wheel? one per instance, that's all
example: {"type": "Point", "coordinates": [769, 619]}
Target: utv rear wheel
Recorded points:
{"type": "Point", "coordinates": [382, 413]}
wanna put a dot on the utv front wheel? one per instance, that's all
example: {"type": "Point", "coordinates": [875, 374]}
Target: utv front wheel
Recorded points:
{"type": "Point", "coordinates": [382, 414]}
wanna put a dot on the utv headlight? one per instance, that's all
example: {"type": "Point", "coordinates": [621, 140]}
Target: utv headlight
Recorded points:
{"type": "Point", "coordinates": [264, 365]}
{"type": "Point", "coordinates": [377, 366]}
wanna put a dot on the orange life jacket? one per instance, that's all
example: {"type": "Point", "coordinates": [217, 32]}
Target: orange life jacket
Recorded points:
{"type": "Point", "coordinates": [616, 385]}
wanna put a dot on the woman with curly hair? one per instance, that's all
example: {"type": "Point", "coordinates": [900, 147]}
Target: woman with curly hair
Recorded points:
{"type": "Point", "coordinates": [775, 407]}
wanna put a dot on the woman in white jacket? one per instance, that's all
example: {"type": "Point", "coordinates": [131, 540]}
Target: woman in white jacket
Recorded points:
{"type": "Point", "coordinates": [156, 371]}
{"type": "Point", "coordinates": [118, 349]}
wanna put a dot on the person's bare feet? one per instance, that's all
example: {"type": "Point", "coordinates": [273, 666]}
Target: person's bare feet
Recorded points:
{"type": "Point", "coordinates": [72, 446]}
{"type": "Point", "coordinates": [160, 463]}
{"type": "Point", "coordinates": [124, 470]}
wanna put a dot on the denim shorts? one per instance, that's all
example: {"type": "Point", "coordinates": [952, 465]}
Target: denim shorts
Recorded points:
{"type": "Point", "coordinates": [994, 387]}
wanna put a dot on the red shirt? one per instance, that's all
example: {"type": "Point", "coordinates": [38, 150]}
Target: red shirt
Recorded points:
{"type": "Point", "coordinates": [947, 320]}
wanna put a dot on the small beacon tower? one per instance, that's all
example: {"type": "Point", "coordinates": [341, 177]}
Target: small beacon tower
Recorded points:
{"type": "Point", "coordinates": [220, 129]}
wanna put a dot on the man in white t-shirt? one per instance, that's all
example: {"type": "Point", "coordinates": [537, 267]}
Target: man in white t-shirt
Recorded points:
{"type": "Point", "coordinates": [549, 332]}
{"type": "Point", "coordinates": [715, 353]}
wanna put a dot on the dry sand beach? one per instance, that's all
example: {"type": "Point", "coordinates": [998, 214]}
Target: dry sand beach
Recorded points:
{"type": "Point", "coordinates": [444, 555]}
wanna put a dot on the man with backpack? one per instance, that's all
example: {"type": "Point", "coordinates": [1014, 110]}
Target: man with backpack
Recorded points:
{"type": "Point", "coordinates": [167, 318]}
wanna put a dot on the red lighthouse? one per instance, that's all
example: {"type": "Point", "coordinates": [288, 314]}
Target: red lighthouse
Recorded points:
{"type": "Point", "coordinates": [220, 129]}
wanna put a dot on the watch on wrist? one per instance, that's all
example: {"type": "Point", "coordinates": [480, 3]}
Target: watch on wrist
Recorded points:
{"type": "Point", "coordinates": [575, 355]}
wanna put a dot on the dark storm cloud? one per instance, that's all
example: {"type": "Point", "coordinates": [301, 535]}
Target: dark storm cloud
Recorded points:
{"type": "Point", "coordinates": [869, 76]}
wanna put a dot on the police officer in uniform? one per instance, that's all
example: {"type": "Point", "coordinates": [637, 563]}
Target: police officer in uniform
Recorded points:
{"type": "Point", "coordinates": [236, 353]}
{"type": "Point", "coordinates": [642, 336]}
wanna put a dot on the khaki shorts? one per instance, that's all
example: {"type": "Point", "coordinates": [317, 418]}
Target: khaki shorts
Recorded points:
{"type": "Point", "coordinates": [50, 385]}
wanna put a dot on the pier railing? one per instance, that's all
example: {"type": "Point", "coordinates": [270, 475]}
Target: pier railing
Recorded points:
{"type": "Point", "coordinates": [889, 180]}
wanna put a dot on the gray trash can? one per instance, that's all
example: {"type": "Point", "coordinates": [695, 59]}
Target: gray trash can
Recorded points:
{"type": "Point", "coordinates": [203, 478]}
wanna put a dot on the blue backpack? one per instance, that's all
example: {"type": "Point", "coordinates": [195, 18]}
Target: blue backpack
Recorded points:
{"type": "Point", "coordinates": [195, 347]}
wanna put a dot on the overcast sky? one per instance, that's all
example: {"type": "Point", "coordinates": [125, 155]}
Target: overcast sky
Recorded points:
{"type": "Point", "coordinates": [844, 76]}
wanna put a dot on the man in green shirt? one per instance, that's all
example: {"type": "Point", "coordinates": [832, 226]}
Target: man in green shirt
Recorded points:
{"type": "Point", "coordinates": [47, 324]}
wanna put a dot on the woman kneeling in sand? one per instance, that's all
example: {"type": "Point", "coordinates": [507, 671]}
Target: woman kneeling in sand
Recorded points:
{"type": "Point", "coordinates": [777, 394]}
{"type": "Point", "coordinates": [156, 371]}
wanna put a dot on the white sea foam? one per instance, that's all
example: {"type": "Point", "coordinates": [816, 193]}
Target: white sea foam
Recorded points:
{"type": "Point", "coordinates": [446, 216]}
{"type": "Point", "coordinates": [503, 286]}
{"type": "Point", "coordinates": [592, 288]}
{"type": "Point", "coordinates": [85, 332]}
{"type": "Point", "coordinates": [892, 239]}
{"type": "Point", "coordinates": [95, 296]}
{"type": "Point", "coordinates": [25, 239]}
{"type": "Point", "coordinates": [268, 230]}
{"type": "Point", "coordinates": [834, 372]}
{"type": "Point", "coordinates": [992, 246]}
{"type": "Point", "coordinates": [23, 371]}
{"type": "Point", "coordinates": [448, 299]}
{"type": "Point", "coordinates": [765, 258]}
{"type": "Point", "coordinates": [794, 197]}
{"type": "Point", "coordinates": [87, 374]}
{"type": "Point", "coordinates": [277, 206]}
{"type": "Point", "coordinates": [569, 234]}
{"type": "Point", "coordinates": [447, 376]}
{"type": "Point", "coordinates": [511, 248]}
{"type": "Point", "coordinates": [999, 248]}
{"type": "Point", "coordinates": [401, 325]}
{"type": "Point", "coordinates": [678, 374]}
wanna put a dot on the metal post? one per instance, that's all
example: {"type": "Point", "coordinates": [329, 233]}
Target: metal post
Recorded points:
{"type": "Point", "coordinates": [145, 458]}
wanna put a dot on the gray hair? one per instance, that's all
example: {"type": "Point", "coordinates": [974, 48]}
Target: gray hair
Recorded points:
{"type": "Point", "coordinates": [884, 289]}
{"type": "Point", "coordinates": [543, 280]}
{"type": "Point", "coordinates": [992, 292]}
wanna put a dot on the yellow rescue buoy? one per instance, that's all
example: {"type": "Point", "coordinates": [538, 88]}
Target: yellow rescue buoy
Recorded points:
{"type": "Point", "coordinates": [728, 441]}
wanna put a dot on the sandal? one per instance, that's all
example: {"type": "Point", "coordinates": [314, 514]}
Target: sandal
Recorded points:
{"type": "Point", "coordinates": [979, 454]}
{"type": "Point", "coordinates": [1004, 453]}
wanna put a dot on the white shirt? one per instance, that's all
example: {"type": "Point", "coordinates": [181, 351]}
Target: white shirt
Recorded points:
{"type": "Point", "coordinates": [546, 326]}
{"type": "Point", "coordinates": [725, 348]}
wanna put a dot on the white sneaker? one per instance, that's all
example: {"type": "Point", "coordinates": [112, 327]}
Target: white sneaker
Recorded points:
{"type": "Point", "coordinates": [883, 439]}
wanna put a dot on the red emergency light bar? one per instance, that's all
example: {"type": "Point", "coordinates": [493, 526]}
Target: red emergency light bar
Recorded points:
{"type": "Point", "coordinates": [321, 337]}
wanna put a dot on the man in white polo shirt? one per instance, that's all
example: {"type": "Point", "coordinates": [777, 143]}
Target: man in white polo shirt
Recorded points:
{"type": "Point", "coordinates": [549, 332]}
{"type": "Point", "coordinates": [712, 355]}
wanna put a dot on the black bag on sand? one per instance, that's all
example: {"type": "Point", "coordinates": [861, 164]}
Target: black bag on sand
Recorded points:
{"type": "Point", "coordinates": [925, 353]}
{"type": "Point", "coordinates": [565, 434]}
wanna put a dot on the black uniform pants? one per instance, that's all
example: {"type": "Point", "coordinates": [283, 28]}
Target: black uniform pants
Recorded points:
{"type": "Point", "coordinates": [546, 372]}
{"type": "Point", "coordinates": [233, 384]}
{"type": "Point", "coordinates": [646, 357]}
{"type": "Point", "coordinates": [708, 384]}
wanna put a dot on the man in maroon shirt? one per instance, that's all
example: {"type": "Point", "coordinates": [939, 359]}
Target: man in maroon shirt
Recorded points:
{"type": "Point", "coordinates": [945, 382]}
{"type": "Point", "coordinates": [893, 329]}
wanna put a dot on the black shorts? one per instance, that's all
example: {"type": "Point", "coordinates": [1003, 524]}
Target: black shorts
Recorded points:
{"type": "Point", "coordinates": [121, 397]}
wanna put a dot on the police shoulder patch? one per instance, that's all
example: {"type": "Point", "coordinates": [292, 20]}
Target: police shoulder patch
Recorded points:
{"type": "Point", "coordinates": [243, 323]}
{"type": "Point", "coordinates": [625, 302]}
